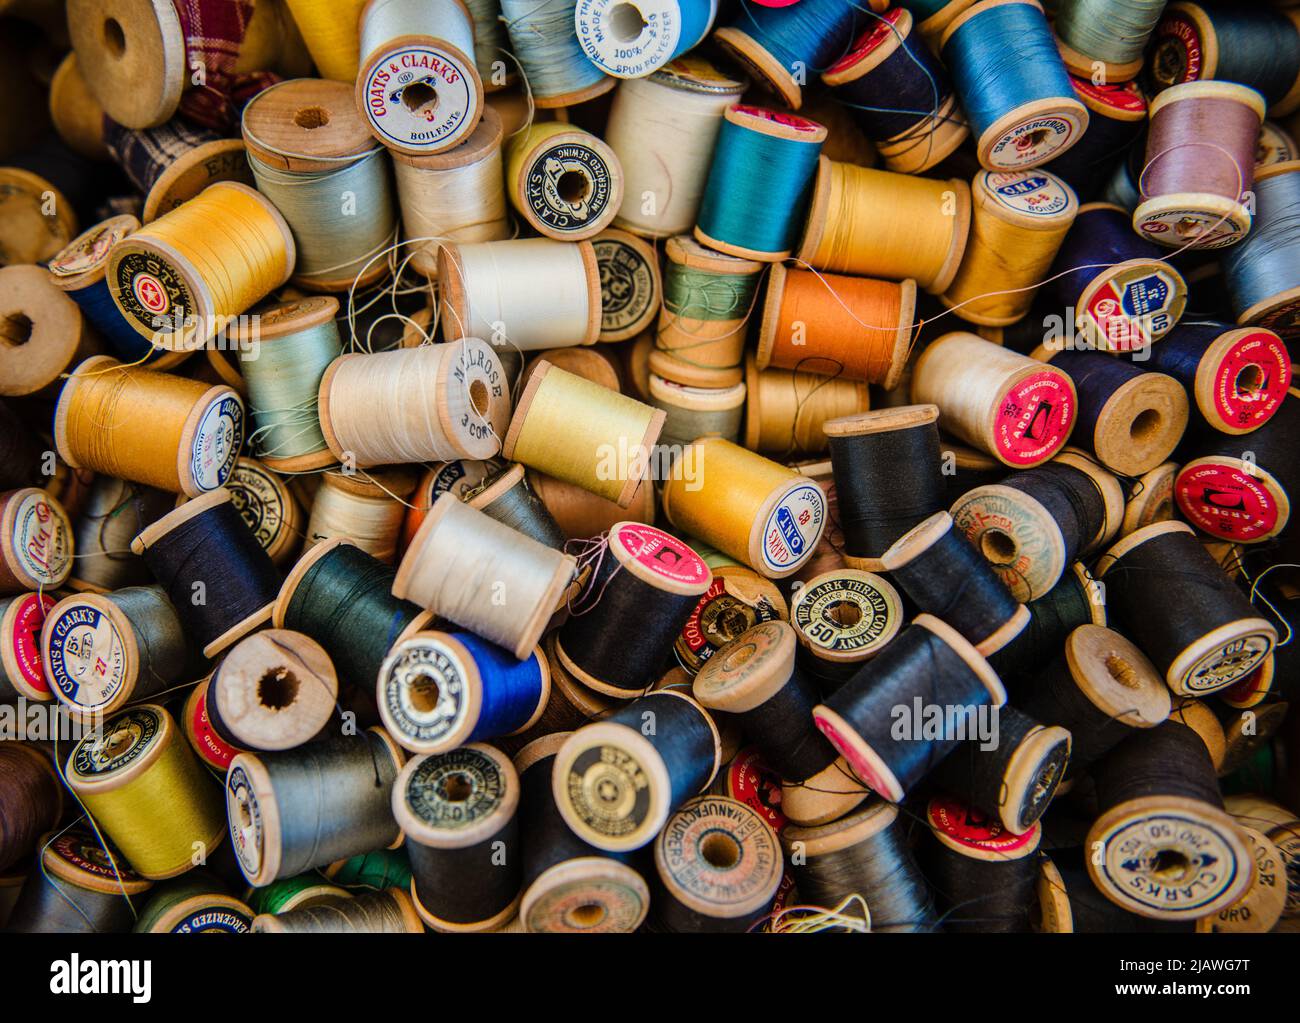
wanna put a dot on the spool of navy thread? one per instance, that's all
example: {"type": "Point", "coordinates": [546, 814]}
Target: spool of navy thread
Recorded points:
{"type": "Point", "coordinates": [1117, 115]}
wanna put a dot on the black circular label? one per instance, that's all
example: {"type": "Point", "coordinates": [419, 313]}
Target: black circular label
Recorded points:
{"type": "Point", "coordinates": [121, 742]}
{"type": "Point", "coordinates": [153, 293]}
{"type": "Point", "coordinates": [609, 790]}
{"type": "Point", "coordinates": [436, 787]}
{"type": "Point", "coordinates": [627, 286]}
{"type": "Point", "coordinates": [568, 186]}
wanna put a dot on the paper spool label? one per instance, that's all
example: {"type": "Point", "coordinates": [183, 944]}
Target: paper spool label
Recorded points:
{"type": "Point", "coordinates": [422, 666]}
{"type": "Point", "coordinates": [216, 442]}
{"type": "Point", "coordinates": [84, 852]}
{"type": "Point", "coordinates": [477, 363]}
{"type": "Point", "coordinates": [793, 527]}
{"type": "Point", "coordinates": [41, 540]}
{"type": "Point", "coordinates": [121, 742]}
{"type": "Point", "coordinates": [542, 187]}
{"type": "Point", "coordinates": [1224, 664]}
{"type": "Point", "coordinates": [1263, 359]}
{"type": "Point", "coordinates": [1135, 306]}
{"type": "Point", "coordinates": [1131, 863]}
{"type": "Point", "coordinates": [427, 789]}
{"type": "Point", "coordinates": [757, 786]}
{"type": "Point", "coordinates": [608, 790]}
{"type": "Point", "coordinates": [1030, 193]}
{"type": "Point", "coordinates": [213, 920]}
{"type": "Point", "coordinates": [213, 749]}
{"type": "Point", "coordinates": [680, 852]}
{"type": "Point", "coordinates": [606, 47]}
{"type": "Point", "coordinates": [420, 97]}
{"type": "Point", "coordinates": [90, 250]}
{"type": "Point", "coordinates": [721, 615]}
{"type": "Point", "coordinates": [1125, 96]}
{"type": "Point", "coordinates": [1226, 501]}
{"type": "Point", "coordinates": [1034, 419]}
{"type": "Point", "coordinates": [25, 638]}
{"type": "Point", "coordinates": [1275, 146]}
{"type": "Point", "coordinates": [1178, 227]}
{"type": "Point", "coordinates": [870, 40]}
{"type": "Point", "coordinates": [967, 826]}
{"type": "Point", "coordinates": [245, 816]}
{"type": "Point", "coordinates": [663, 554]}
{"type": "Point", "coordinates": [153, 294]}
{"type": "Point", "coordinates": [1038, 561]}
{"type": "Point", "coordinates": [620, 905]}
{"type": "Point", "coordinates": [811, 614]}
{"type": "Point", "coordinates": [627, 284]}
{"type": "Point", "coordinates": [1177, 55]}
{"type": "Point", "coordinates": [258, 497]}
{"type": "Point", "coordinates": [1033, 141]}
{"type": "Point", "coordinates": [87, 656]}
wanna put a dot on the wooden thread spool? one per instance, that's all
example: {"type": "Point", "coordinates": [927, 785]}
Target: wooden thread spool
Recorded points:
{"type": "Point", "coordinates": [1193, 188]}
{"type": "Point", "coordinates": [1106, 42]}
{"type": "Point", "coordinates": [77, 888]}
{"type": "Point", "coordinates": [1034, 524]}
{"type": "Point", "coordinates": [22, 673]}
{"type": "Point", "coordinates": [192, 905]}
{"type": "Point", "coordinates": [1215, 638]}
{"type": "Point", "coordinates": [1003, 403]}
{"type": "Point", "coordinates": [580, 514]}
{"type": "Point", "coordinates": [184, 278]}
{"type": "Point", "coordinates": [1162, 823]}
{"type": "Point", "coordinates": [773, 516]}
{"type": "Point", "coordinates": [302, 808]}
{"type": "Point", "coordinates": [77, 116]}
{"type": "Point", "coordinates": [1149, 498]}
{"type": "Point", "coordinates": [41, 331]}
{"type": "Point", "coordinates": [1259, 910]}
{"type": "Point", "coordinates": [735, 601]}
{"type": "Point", "coordinates": [1069, 903]}
{"type": "Point", "coordinates": [32, 799]}
{"type": "Point", "coordinates": [460, 477]}
{"type": "Point", "coordinates": [28, 235]}
{"type": "Point", "coordinates": [631, 41]}
{"type": "Point", "coordinates": [663, 128]}
{"type": "Point", "coordinates": [146, 791]}
{"type": "Point", "coordinates": [268, 508]}
{"type": "Point", "coordinates": [544, 41]}
{"type": "Point", "coordinates": [919, 226]}
{"type": "Point", "coordinates": [630, 288]}
{"type": "Point", "coordinates": [607, 453]}
{"type": "Point", "coordinates": [366, 509]}
{"type": "Point", "coordinates": [459, 810]}
{"type": "Point", "coordinates": [460, 555]}
{"type": "Point", "coordinates": [564, 181]}
{"type": "Point", "coordinates": [786, 410]}
{"type": "Point", "coordinates": [843, 618]}
{"type": "Point", "coordinates": [695, 412]}
{"type": "Point", "coordinates": [293, 893]}
{"type": "Point", "coordinates": [525, 293]}
{"type": "Point", "coordinates": [418, 85]}
{"type": "Point", "coordinates": [1021, 219]}
{"type": "Point", "coordinates": [1259, 272]}
{"type": "Point", "coordinates": [1076, 600]}
{"type": "Point", "coordinates": [616, 786]}
{"type": "Point", "coordinates": [384, 912]}
{"type": "Point", "coordinates": [456, 196]}
{"type": "Point", "coordinates": [212, 749]}
{"type": "Point", "coordinates": [1129, 418]}
{"type": "Point", "coordinates": [1278, 824]}
{"type": "Point", "coordinates": [375, 409]}
{"type": "Point", "coordinates": [331, 31]}
{"type": "Point", "coordinates": [35, 541]}
{"type": "Point", "coordinates": [101, 651]}
{"type": "Point", "coordinates": [589, 362]}
{"type": "Point", "coordinates": [507, 497]}
{"type": "Point", "coordinates": [438, 691]}
{"type": "Point", "coordinates": [708, 298]}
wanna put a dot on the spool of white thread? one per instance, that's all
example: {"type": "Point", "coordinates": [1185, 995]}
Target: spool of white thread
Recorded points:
{"type": "Point", "coordinates": [633, 38]}
{"type": "Point", "coordinates": [365, 508]}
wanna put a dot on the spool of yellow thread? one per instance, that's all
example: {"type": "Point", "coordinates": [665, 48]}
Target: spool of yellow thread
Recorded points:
{"type": "Point", "coordinates": [147, 792]}
{"type": "Point", "coordinates": [756, 510]}
{"type": "Point", "coordinates": [332, 31]}
{"type": "Point", "coordinates": [564, 181]}
{"type": "Point", "coordinates": [784, 410]}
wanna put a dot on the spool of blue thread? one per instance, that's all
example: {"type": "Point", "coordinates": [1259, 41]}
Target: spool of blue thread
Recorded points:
{"type": "Point", "coordinates": [633, 38]}
{"type": "Point", "coordinates": [756, 197]}
{"type": "Point", "coordinates": [1012, 84]}
{"type": "Point", "coordinates": [1263, 272]}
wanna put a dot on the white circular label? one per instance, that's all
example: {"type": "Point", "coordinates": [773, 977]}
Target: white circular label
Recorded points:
{"type": "Point", "coordinates": [1133, 864]}
{"type": "Point", "coordinates": [42, 540]}
{"type": "Point", "coordinates": [87, 662]}
{"type": "Point", "coordinates": [1226, 664]}
{"type": "Point", "coordinates": [217, 440]}
{"type": "Point", "coordinates": [794, 527]}
{"type": "Point", "coordinates": [245, 820]}
{"type": "Point", "coordinates": [421, 97]}
{"type": "Point", "coordinates": [1033, 193]}
{"type": "Point", "coordinates": [1033, 142]}
{"type": "Point", "coordinates": [628, 40]}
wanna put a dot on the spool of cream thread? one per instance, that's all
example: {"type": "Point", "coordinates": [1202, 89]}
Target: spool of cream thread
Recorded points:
{"type": "Point", "coordinates": [366, 508]}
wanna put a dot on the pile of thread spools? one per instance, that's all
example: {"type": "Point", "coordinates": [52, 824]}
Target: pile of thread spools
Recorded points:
{"type": "Point", "coordinates": [692, 465]}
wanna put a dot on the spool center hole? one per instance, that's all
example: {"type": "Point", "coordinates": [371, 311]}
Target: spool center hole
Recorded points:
{"type": "Point", "coordinates": [573, 186]}
{"type": "Point", "coordinates": [720, 851]}
{"type": "Point", "coordinates": [1249, 381]}
{"type": "Point", "coordinates": [589, 914]}
{"type": "Point", "coordinates": [844, 613]}
{"type": "Point", "coordinates": [456, 788]}
{"type": "Point", "coordinates": [1037, 137]}
{"type": "Point", "coordinates": [478, 396]}
{"type": "Point", "coordinates": [997, 547]}
{"type": "Point", "coordinates": [1145, 426]}
{"type": "Point", "coordinates": [625, 22]}
{"type": "Point", "coordinates": [245, 814]}
{"type": "Point", "coordinates": [311, 118]}
{"type": "Point", "coordinates": [419, 97]}
{"type": "Point", "coordinates": [424, 693]}
{"type": "Point", "coordinates": [277, 689]}
{"type": "Point", "coordinates": [16, 329]}
{"type": "Point", "coordinates": [1170, 865]}
{"type": "Point", "coordinates": [117, 744]}
{"type": "Point", "coordinates": [1123, 672]}
{"type": "Point", "coordinates": [1188, 228]}
{"type": "Point", "coordinates": [114, 38]}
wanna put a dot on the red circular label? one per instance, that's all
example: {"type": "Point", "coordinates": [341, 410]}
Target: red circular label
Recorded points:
{"type": "Point", "coordinates": [870, 39]}
{"type": "Point", "coordinates": [861, 767]}
{"type": "Point", "coordinates": [1122, 96]}
{"type": "Point", "coordinates": [1249, 691]}
{"type": "Point", "coordinates": [1178, 56]}
{"type": "Point", "coordinates": [663, 554]}
{"type": "Point", "coordinates": [970, 827]}
{"type": "Point", "coordinates": [211, 747]}
{"type": "Point", "coordinates": [1034, 418]}
{"type": "Point", "coordinates": [150, 293]}
{"type": "Point", "coordinates": [1252, 379]}
{"type": "Point", "coordinates": [778, 117]}
{"type": "Point", "coordinates": [753, 783]}
{"type": "Point", "coordinates": [1226, 501]}
{"type": "Point", "coordinates": [25, 640]}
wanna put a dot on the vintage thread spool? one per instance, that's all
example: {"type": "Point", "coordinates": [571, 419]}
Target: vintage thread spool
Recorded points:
{"type": "Point", "coordinates": [870, 453]}
{"type": "Point", "coordinates": [1123, 294]}
{"type": "Point", "coordinates": [663, 128]}
{"type": "Point", "coordinates": [331, 31]}
{"type": "Point", "coordinates": [1069, 903]}
{"type": "Point", "coordinates": [708, 298]}
{"type": "Point", "coordinates": [342, 597]}
{"type": "Point", "coordinates": [606, 453]}
{"type": "Point", "coordinates": [1252, 45]}
{"type": "Point", "coordinates": [458, 195]}
{"type": "Point", "coordinates": [695, 412]}
{"type": "Point", "coordinates": [101, 651]}
{"type": "Point", "coordinates": [366, 508]}
{"type": "Point", "coordinates": [748, 780]}
{"type": "Point", "coordinates": [22, 672]}
{"type": "Point", "coordinates": [438, 691]}
{"type": "Point", "coordinates": [269, 509]}
{"type": "Point", "coordinates": [1014, 781]}
{"type": "Point", "coordinates": [1194, 184]}
{"type": "Point", "coordinates": [459, 811]}
{"type": "Point", "coordinates": [204, 548]}
{"type": "Point", "coordinates": [866, 854]}
{"type": "Point", "coordinates": [42, 330]}
{"type": "Point", "coordinates": [506, 496]}
{"type": "Point", "coordinates": [1012, 84]}
{"type": "Point", "coordinates": [785, 410]}
{"type": "Point", "coordinates": [630, 288]}
{"type": "Point", "coordinates": [212, 749]}
{"type": "Point", "coordinates": [775, 42]}
{"type": "Point", "coordinates": [1025, 213]}
{"type": "Point", "coordinates": [310, 151]}
{"type": "Point", "coordinates": [565, 182]}
{"type": "Point", "coordinates": [615, 785]}
{"type": "Point", "coordinates": [1003, 403]}
{"type": "Point", "coordinates": [786, 148]}
{"type": "Point", "coordinates": [983, 874]}
{"type": "Point", "coordinates": [306, 807]}
{"type": "Point", "coordinates": [570, 887]}
{"type": "Point", "coordinates": [78, 888]}
{"type": "Point", "coordinates": [645, 586]}
{"type": "Point", "coordinates": [1214, 638]}
{"type": "Point", "coordinates": [274, 690]}
{"type": "Point", "coordinates": [194, 904]}
{"type": "Point", "coordinates": [1261, 270]}
{"type": "Point", "coordinates": [1278, 824]}
{"type": "Point", "coordinates": [418, 86]}
{"type": "Point", "coordinates": [1149, 498]}
{"type": "Point", "coordinates": [77, 117]}
{"type": "Point", "coordinates": [1239, 488]}
{"type": "Point", "coordinates": [183, 278]}
{"type": "Point", "coordinates": [1105, 37]}
{"type": "Point", "coordinates": [899, 95]}
{"type": "Point", "coordinates": [772, 517]}
{"type": "Point", "coordinates": [718, 865]}
{"type": "Point", "coordinates": [460, 555]}
{"type": "Point", "coordinates": [809, 317]}
{"type": "Point", "coordinates": [1075, 600]}
{"type": "Point", "coordinates": [737, 599]}
{"type": "Point", "coordinates": [1276, 145]}
{"type": "Point", "coordinates": [39, 218]}
{"type": "Point", "coordinates": [375, 408]}
{"type": "Point", "coordinates": [292, 893]}
{"type": "Point", "coordinates": [32, 799]}
{"type": "Point", "coordinates": [1237, 377]}
{"type": "Point", "coordinates": [544, 40]}
{"type": "Point", "coordinates": [290, 347]}
{"type": "Point", "coordinates": [1162, 823]}
{"type": "Point", "coordinates": [947, 576]}
{"type": "Point", "coordinates": [919, 225]}
{"type": "Point", "coordinates": [632, 40]}
{"type": "Point", "coordinates": [931, 664]}
{"type": "Point", "coordinates": [843, 618]}
{"type": "Point", "coordinates": [460, 477]}
{"type": "Point", "coordinates": [146, 791]}
{"type": "Point", "coordinates": [524, 293]}
{"type": "Point", "coordinates": [1259, 910]}
{"type": "Point", "coordinates": [173, 162]}
{"type": "Point", "coordinates": [36, 541]}
{"type": "Point", "coordinates": [385, 912]}
{"type": "Point", "coordinates": [1117, 114]}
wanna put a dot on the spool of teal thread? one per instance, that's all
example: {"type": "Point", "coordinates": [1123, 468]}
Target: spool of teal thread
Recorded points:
{"type": "Point", "coordinates": [755, 201]}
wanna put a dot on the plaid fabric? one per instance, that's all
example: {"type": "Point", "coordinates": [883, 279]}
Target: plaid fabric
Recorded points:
{"type": "Point", "coordinates": [145, 154]}
{"type": "Point", "coordinates": [214, 32]}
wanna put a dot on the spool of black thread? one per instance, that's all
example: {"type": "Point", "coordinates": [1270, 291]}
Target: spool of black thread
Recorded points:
{"type": "Point", "coordinates": [76, 887]}
{"type": "Point", "coordinates": [459, 811]}
{"type": "Point", "coordinates": [507, 497]}
{"type": "Point", "coordinates": [969, 468]}
{"type": "Point", "coordinates": [888, 477]}
{"type": "Point", "coordinates": [20, 451]}
{"type": "Point", "coordinates": [1075, 600]}
{"type": "Point", "coordinates": [947, 577]}
{"type": "Point", "coordinates": [1087, 911]}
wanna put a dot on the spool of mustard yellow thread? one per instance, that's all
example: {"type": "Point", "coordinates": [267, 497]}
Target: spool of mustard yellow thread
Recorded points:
{"type": "Point", "coordinates": [332, 31]}
{"type": "Point", "coordinates": [785, 410]}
